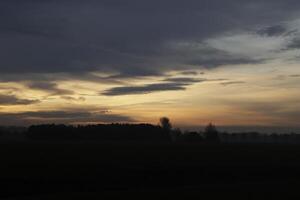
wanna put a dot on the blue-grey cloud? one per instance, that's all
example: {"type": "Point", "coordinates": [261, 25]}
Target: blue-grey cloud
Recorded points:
{"type": "Point", "coordinates": [232, 83]}
{"type": "Point", "coordinates": [54, 116]}
{"type": "Point", "coordinates": [294, 44]}
{"type": "Point", "coordinates": [129, 38]}
{"type": "Point", "coordinates": [49, 87]}
{"type": "Point", "coordinates": [168, 84]}
{"type": "Point", "coordinates": [192, 73]}
{"type": "Point", "coordinates": [271, 31]}
{"type": "Point", "coordinates": [184, 80]}
{"type": "Point", "coordinates": [13, 100]}
{"type": "Point", "coordinates": [144, 89]}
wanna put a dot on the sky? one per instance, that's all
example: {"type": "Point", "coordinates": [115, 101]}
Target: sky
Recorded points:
{"type": "Point", "coordinates": [232, 62]}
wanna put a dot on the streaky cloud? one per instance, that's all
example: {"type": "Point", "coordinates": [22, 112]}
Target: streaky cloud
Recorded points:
{"type": "Point", "coordinates": [57, 116]}
{"type": "Point", "coordinates": [49, 87]}
{"type": "Point", "coordinates": [6, 100]}
{"type": "Point", "coordinates": [232, 83]}
{"type": "Point", "coordinates": [144, 89]}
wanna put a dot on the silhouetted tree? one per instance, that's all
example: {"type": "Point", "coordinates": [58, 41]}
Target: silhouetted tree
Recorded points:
{"type": "Point", "coordinates": [211, 133]}
{"type": "Point", "coordinates": [165, 124]}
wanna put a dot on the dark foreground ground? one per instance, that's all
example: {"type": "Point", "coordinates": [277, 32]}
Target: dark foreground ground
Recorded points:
{"type": "Point", "coordinates": [91, 170]}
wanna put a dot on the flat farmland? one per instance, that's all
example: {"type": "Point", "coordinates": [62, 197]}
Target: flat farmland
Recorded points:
{"type": "Point", "coordinates": [95, 169]}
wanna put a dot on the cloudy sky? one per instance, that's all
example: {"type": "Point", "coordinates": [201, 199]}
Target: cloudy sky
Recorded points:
{"type": "Point", "coordinates": [232, 62]}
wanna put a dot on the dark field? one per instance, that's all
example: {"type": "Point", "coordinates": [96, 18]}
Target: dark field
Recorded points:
{"type": "Point", "coordinates": [89, 170]}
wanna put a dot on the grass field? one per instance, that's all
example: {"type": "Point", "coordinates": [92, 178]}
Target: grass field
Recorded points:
{"type": "Point", "coordinates": [81, 170]}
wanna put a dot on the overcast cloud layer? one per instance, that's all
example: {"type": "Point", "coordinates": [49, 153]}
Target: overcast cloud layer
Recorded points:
{"type": "Point", "coordinates": [134, 38]}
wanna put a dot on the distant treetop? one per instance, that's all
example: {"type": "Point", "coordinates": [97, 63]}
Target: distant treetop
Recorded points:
{"type": "Point", "coordinates": [165, 123]}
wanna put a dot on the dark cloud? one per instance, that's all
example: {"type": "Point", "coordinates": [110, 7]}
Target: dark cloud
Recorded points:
{"type": "Point", "coordinates": [27, 118]}
{"type": "Point", "coordinates": [129, 90]}
{"type": "Point", "coordinates": [168, 84]}
{"type": "Point", "coordinates": [294, 44]}
{"type": "Point", "coordinates": [133, 72]}
{"type": "Point", "coordinates": [220, 60]}
{"type": "Point", "coordinates": [193, 73]}
{"type": "Point", "coordinates": [129, 38]}
{"type": "Point", "coordinates": [271, 31]}
{"type": "Point", "coordinates": [184, 80]}
{"type": "Point", "coordinates": [54, 114]}
{"type": "Point", "coordinates": [232, 83]}
{"type": "Point", "coordinates": [49, 87]}
{"type": "Point", "coordinates": [13, 100]}
{"type": "Point", "coordinates": [49, 81]}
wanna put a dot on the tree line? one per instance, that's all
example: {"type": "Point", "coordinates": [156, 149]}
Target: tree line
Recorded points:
{"type": "Point", "coordinates": [121, 132]}
{"type": "Point", "coordinates": [163, 132]}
